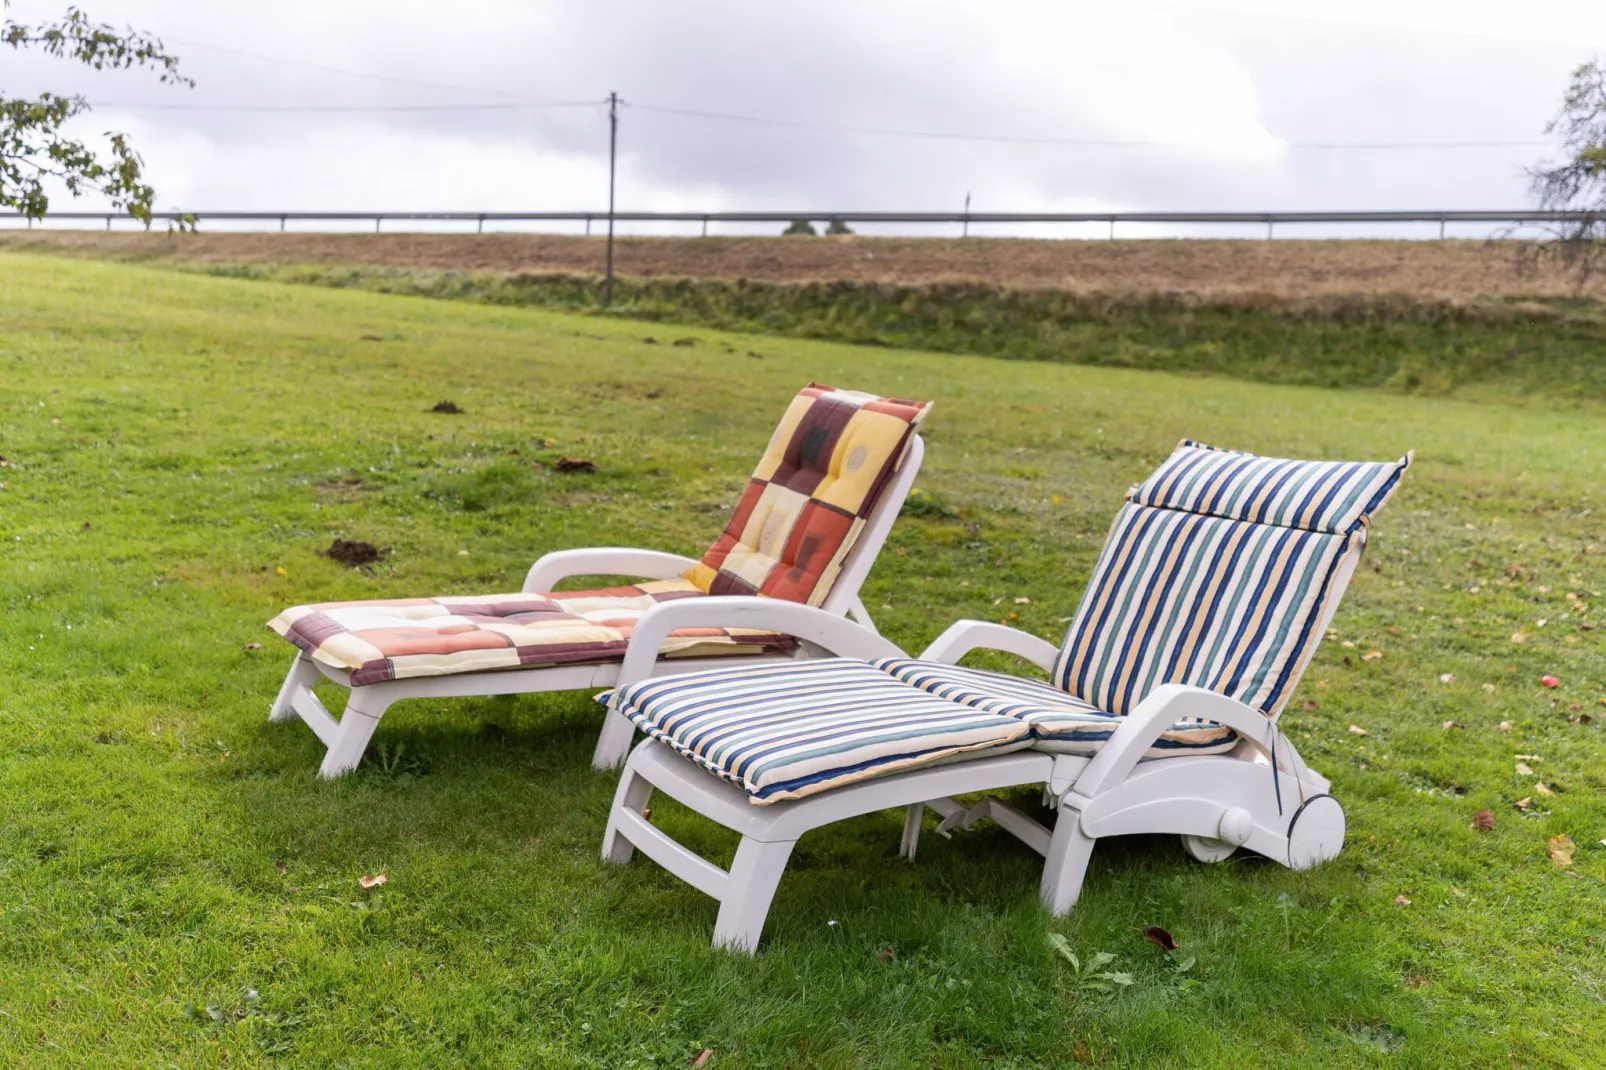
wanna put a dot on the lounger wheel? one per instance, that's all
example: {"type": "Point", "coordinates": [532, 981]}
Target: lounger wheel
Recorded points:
{"type": "Point", "coordinates": [1207, 850]}
{"type": "Point", "coordinates": [1316, 833]}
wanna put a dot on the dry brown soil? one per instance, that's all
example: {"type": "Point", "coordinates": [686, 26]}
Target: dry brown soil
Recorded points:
{"type": "Point", "coordinates": [1291, 268]}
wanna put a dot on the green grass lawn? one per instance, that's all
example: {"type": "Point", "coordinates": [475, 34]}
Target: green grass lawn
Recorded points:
{"type": "Point", "coordinates": [177, 886]}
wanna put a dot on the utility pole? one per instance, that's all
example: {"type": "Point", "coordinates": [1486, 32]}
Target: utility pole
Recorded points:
{"type": "Point", "coordinates": [613, 146]}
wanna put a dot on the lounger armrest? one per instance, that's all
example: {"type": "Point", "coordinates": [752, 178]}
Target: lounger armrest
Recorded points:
{"type": "Point", "coordinates": [1164, 707]}
{"type": "Point", "coordinates": [836, 634]}
{"type": "Point", "coordinates": [963, 636]}
{"type": "Point", "coordinates": [559, 565]}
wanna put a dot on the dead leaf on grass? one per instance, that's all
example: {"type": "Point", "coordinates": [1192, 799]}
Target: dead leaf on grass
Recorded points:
{"type": "Point", "coordinates": [252, 646]}
{"type": "Point", "coordinates": [374, 881]}
{"type": "Point", "coordinates": [1524, 769]}
{"type": "Point", "coordinates": [1356, 730]}
{"type": "Point", "coordinates": [1371, 655]}
{"type": "Point", "coordinates": [886, 954]}
{"type": "Point", "coordinates": [1447, 678]}
{"type": "Point", "coordinates": [1401, 901]}
{"type": "Point", "coordinates": [1542, 788]}
{"type": "Point", "coordinates": [1483, 820]}
{"type": "Point", "coordinates": [278, 864]}
{"type": "Point", "coordinates": [575, 464]}
{"type": "Point", "coordinates": [1447, 725]}
{"type": "Point", "coordinates": [1561, 848]}
{"type": "Point", "coordinates": [707, 1053]}
{"type": "Point", "coordinates": [1519, 637]}
{"type": "Point", "coordinates": [1523, 803]}
{"type": "Point", "coordinates": [1504, 726]}
{"type": "Point", "coordinates": [1159, 938]}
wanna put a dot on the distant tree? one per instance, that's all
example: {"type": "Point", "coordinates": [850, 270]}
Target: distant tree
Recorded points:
{"type": "Point", "coordinates": [799, 226]}
{"type": "Point", "coordinates": [33, 149]}
{"type": "Point", "coordinates": [838, 227]}
{"type": "Point", "coordinates": [1578, 183]}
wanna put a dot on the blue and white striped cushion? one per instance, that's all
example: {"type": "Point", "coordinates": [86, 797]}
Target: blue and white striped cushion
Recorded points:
{"type": "Point", "coordinates": [1330, 496]}
{"type": "Point", "coordinates": [788, 731]}
{"type": "Point", "coordinates": [1216, 574]}
{"type": "Point", "coordinates": [1060, 723]}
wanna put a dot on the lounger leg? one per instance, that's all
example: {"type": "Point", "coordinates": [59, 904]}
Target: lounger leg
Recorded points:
{"type": "Point", "coordinates": [754, 877]}
{"type": "Point", "coordinates": [633, 793]}
{"type": "Point", "coordinates": [303, 673]}
{"type": "Point", "coordinates": [613, 745]}
{"type": "Point", "coordinates": [357, 726]}
{"type": "Point", "coordinates": [1066, 864]}
{"type": "Point", "coordinates": [912, 816]}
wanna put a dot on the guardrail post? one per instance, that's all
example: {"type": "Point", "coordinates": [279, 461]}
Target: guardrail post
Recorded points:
{"type": "Point", "coordinates": [588, 226]}
{"type": "Point", "coordinates": [1441, 228]}
{"type": "Point", "coordinates": [108, 222]}
{"type": "Point", "coordinates": [705, 226]}
{"type": "Point", "coordinates": [1269, 225]}
{"type": "Point", "coordinates": [480, 229]}
{"type": "Point", "coordinates": [376, 223]}
{"type": "Point", "coordinates": [1112, 228]}
{"type": "Point", "coordinates": [281, 223]}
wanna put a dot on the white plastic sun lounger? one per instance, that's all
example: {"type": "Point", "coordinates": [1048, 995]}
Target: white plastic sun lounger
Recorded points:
{"type": "Point", "coordinates": [1223, 570]}
{"type": "Point", "coordinates": [823, 461]}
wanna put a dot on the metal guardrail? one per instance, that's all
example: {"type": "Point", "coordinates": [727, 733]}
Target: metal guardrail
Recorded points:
{"type": "Point", "coordinates": [1268, 219]}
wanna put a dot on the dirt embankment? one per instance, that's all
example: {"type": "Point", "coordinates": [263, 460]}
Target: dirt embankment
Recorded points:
{"type": "Point", "coordinates": [1282, 268]}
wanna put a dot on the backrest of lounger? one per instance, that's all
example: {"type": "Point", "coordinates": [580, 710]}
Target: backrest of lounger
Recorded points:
{"type": "Point", "coordinates": [1220, 571]}
{"type": "Point", "coordinates": [826, 467]}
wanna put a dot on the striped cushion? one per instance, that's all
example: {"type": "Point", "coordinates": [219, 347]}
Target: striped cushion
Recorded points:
{"type": "Point", "coordinates": [1216, 574]}
{"type": "Point", "coordinates": [1330, 496]}
{"type": "Point", "coordinates": [1060, 723]}
{"type": "Point", "coordinates": [788, 731]}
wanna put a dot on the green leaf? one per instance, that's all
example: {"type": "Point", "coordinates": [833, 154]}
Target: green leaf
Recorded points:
{"type": "Point", "coordinates": [1103, 958]}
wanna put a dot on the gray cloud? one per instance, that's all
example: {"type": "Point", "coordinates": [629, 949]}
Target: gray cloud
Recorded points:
{"type": "Point", "coordinates": [1235, 93]}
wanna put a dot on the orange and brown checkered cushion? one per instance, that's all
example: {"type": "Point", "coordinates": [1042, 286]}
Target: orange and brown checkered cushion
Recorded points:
{"type": "Point", "coordinates": [825, 469]}
{"type": "Point", "coordinates": [411, 637]}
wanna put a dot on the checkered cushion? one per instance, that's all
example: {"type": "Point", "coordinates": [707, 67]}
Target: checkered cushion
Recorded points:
{"type": "Point", "coordinates": [790, 730]}
{"type": "Point", "coordinates": [411, 637]}
{"type": "Point", "coordinates": [809, 499]}
{"type": "Point", "coordinates": [1060, 723]}
{"type": "Point", "coordinates": [1215, 574]}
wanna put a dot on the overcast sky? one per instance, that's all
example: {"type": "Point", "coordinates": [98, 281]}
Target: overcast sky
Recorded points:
{"type": "Point", "coordinates": [1234, 105]}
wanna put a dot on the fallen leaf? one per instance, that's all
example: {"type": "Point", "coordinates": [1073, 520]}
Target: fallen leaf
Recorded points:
{"type": "Point", "coordinates": [1504, 726]}
{"type": "Point", "coordinates": [1524, 769]}
{"type": "Point", "coordinates": [707, 1053]}
{"type": "Point", "coordinates": [1488, 688]}
{"type": "Point", "coordinates": [1356, 730]}
{"type": "Point", "coordinates": [1542, 788]}
{"type": "Point", "coordinates": [1560, 849]}
{"type": "Point", "coordinates": [281, 570]}
{"type": "Point", "coordinates": [372, 882]}
{"type": "Point", "coordinates": [575, 464]}
{"type": "Point", "coordinates": [1371, 655]}
{"type": "Point", "coordinates": [1519, 637]}
{"type": "Point", "coordinates": [1401, 901]}
{"type": "Point", "coordinates": [1159, 938]}
{"type": "Point", "coordinates": [1458, 893]}
{"type": "Point", "coordinates": [1483, 820]}
{"type": "Point", "coordinates": [278, 864]}
{"type": "Point", "coordinates": [1023, 601]}
{"type": "Point", "coordinates": [886, 954]}
{"type": "Point", "coordinates": [1549, 681]}
{"type": "Point", "coordinates": [252, 646]}
{"type": "Point", "coordinates": [1523, 804]}
{"type": "Point", "coordinates": [1447, 725]}
{"type": "Point", "coordinates": [1447, 678]}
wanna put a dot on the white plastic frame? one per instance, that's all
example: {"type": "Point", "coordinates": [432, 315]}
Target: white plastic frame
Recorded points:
{"type": "Point", "coordinates": [347, 738]}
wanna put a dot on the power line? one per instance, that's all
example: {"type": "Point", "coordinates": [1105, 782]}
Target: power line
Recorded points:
{"type": "Point", "coordinates": [304, 108]}
{"type": "Point", "coordinates": [1069, 142]}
